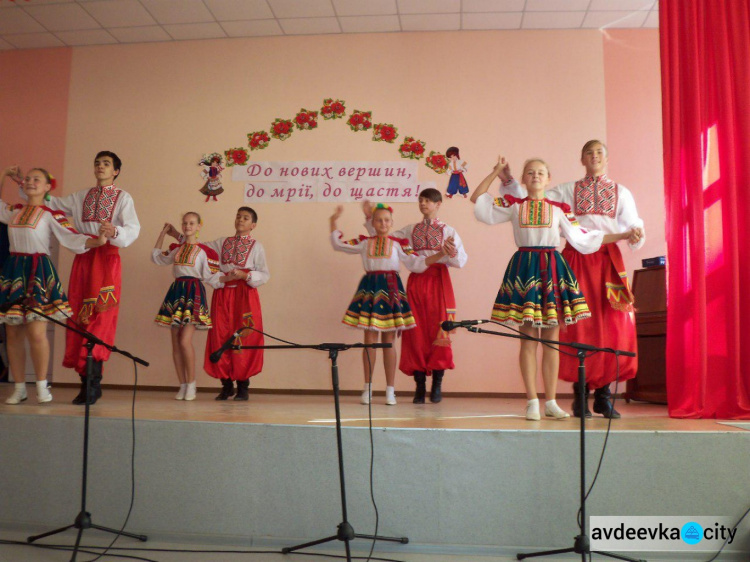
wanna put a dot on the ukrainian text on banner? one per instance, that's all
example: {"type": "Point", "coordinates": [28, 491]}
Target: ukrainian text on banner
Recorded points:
{"type": "Point", "coordinates": [310, 182]}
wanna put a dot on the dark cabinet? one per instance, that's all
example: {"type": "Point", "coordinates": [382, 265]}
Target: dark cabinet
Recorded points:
{"type": "Point", "coordinates": [650, 291]}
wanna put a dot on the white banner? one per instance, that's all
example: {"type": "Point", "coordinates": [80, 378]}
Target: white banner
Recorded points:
{"type": "Point", "coordinates": [310, 182]}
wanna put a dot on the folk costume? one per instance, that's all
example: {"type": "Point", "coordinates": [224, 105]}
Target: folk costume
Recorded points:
{"type": "Point", "coordinates": [235, 305]}
{"type": "Point", "coordinates": [426, 351]}
{"type": "Point", "coordinates": [28, 271]}
{"type": "Point", "coordinates": [186, 301]}
{"type": "Point", "coordinates": [602, 204]}
{"type": "Point", "coordinates": [539, 286]}
{"type": "Point", "coordinates": [380, 302]}
{"type": "Point", "coordinates": [457, 182]}
{"type": "Point", "coordinates": [96, 276]}
{"type": "Point", "coordinates": [212, 187]}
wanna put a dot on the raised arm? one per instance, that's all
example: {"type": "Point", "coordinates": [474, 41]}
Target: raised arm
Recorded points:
{"type": "Point", "coordinates": [501, 170]}
{"type": "Point", "coordinates": [12, 172]}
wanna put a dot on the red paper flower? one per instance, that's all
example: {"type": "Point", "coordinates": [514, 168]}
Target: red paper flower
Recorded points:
{"type": "Point", "coordinates": [437, 162]}
{"type": "Point", "coordinates": [384, 132]}
{"type": "Point", "coordinates": [306, 120]}
{"type": "Point", "coordinates": [258, 140]}
{"type": "Point", "coordinates": [281, 129]}
{"type": "Point", "coordinates": [332, 109]}
{"type": "Point", "coordinates": [236, 156]}
{"type": "Point", "coordinates": [412, 148]}
{"type": "Point", "coordinates": [360, 120]}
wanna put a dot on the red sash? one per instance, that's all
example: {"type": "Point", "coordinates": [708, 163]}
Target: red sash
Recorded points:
{"type": "Point", "coordinates": [99, 293]}
{"type": "Point", "coordinates": [616, 282]}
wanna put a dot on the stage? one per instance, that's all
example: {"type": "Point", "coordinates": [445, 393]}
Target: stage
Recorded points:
{"type": "Point", "coordinates": [468, 474]}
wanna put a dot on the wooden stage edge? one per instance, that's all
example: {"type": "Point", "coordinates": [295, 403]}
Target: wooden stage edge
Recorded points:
{"type": "Point", "coordinates": [311, 409]}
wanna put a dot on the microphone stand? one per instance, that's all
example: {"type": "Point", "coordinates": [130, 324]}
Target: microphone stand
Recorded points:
{"type": "Point", "coordinates": [83, 519]}
{"type": "Point", "coordinates": [344, 532]}
{"type": "Point", "coordinates": [582, 544]}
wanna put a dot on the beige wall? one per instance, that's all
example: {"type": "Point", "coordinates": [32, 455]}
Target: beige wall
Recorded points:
{"type": "Point", "coordinates": [160, 106]}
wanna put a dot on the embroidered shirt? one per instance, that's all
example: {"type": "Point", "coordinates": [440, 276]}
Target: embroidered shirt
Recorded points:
{"type": "Point", "coordinates": [188, 260]}
{"type": "Point", "coordinates": [90, 206]}
{"type": "Point", "coordinates": [31, 228]}
{"type": "Point", "coordinates": [510, 209]}
{"type": "Point", "coordinates": [242, 252]}
{"type": "Point", "coordinates": [380, 253]}
{"type": "Point", "coordinates": [427, 237]}
{"type": "Point", "coordinates": [603, 205]}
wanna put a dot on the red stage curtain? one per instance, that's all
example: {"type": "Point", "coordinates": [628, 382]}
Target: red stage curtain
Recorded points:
{"type": "Point", "coordinates": [705, 64]}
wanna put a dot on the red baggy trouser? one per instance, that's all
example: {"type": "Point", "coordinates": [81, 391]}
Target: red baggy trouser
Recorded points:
{"type": "Point", "coordinates": [603, 282]}
{"type": "Point", "coordinates": [428, 348]}
{"type": "Point", "coordinates": [232, 307]}
{"type": "Point", "coordinates": [94, 296]}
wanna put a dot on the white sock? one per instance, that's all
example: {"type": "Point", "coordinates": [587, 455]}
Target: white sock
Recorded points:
{"type": "Point", "coordinates": [551, 409]}
{"type": "Point", "coordinates": [20, 386]}
{"type": "Point", "coordinates": [41, 386]}
{"type": "Point", "coordinates": [532, 409]}
{"type": "Point", "coordinates": [367, 387]}
{"type": "Point", "coordinates": [390, 390]}
{"type": "Point", "coordinates": [190, 391]}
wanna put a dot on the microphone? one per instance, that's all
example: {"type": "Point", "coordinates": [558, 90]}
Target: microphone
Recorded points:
{"type": "Point", "coordinates": [449, 326]}
{"type": "Point", "coordinates": [216, 355]}
{"type": "Point", "coordinates": [6, 306]}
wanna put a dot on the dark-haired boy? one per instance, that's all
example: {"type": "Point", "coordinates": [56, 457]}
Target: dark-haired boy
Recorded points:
{"type": "Point", "coordinates": [427, 350]}
{"type": "Point", "coordinates": [237, 305]}
{"type": "Point", "coordinates": [96, 276]}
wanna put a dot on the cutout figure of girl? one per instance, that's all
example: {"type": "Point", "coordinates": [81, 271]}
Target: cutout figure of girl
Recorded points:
{"type": "Point", "coordinates": [212, 169]}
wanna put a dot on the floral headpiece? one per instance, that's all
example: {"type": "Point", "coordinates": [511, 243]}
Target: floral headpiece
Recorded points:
{"type": "Point", "coordinates": [53, 185]}
{"type": "Point", "coordinates": [382, 206]}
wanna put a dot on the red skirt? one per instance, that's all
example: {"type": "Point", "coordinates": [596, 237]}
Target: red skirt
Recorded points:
{"type": "Point", "coordinates": [94, 296]}
{"type": "Point", "coordinates": [602, 279]}
{"type": "Point", "coordinates": [428, 348]}
{"type": "Point", "coordinates": [234, 306]}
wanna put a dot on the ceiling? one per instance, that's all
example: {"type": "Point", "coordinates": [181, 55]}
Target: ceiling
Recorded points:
{"type": "Point", "coordinates": [30, 24]}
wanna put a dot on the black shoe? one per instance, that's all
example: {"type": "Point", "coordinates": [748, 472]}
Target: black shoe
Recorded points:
{"type": "Point", "coordinates": [577, 401]}
{"type": "Point", "coordinates": [81, 398]}
{"type": "Point", "coordinates": [602, 404]}
{"type": "Point", "coordinates": [436, 392]}
{"type": "Point", "coordinates": [242, 390]}
{"type": "Point", "coordinates": [227, 389]}
{"type": "Point", "coordinates": [96, 383]}
{"type": "Point", "coordinates": [420, 379]}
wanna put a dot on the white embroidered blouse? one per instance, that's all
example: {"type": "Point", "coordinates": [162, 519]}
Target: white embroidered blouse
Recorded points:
{"type": "Point", "coordinates": [426, 239]}
{"type": "Point", "coordinates": [379, 253]}
{"type": "Point", "coordinates": [537, 223]}
{"type": "Point", "coordinates": [188, 260]}
{"type": "Point", "coordinates": [598, 204]}
{"type": "Point", "coordinates": [31, 228]}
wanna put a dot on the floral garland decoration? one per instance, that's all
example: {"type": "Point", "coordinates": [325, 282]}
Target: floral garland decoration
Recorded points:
{"type": "Point", "coordinates": [207, 159]}
{"type": "Point", "coordinates": [412, 148]}
{"type": "Point", "coordinates": [306, 120]}
{"type": "Point", "coordinates": [333, 109]}
{"type": "Point", "coordinates": [258, 140]}
{"type": "Point", "coordinates": [236, 156]}
{"type": "Point", "coordinates": [281, 129]}
{"type": "Point", "coordinates": [437, 162]}
{"type": "Point", "coordinates": [360, 120]}
{"type": "Point", "coordinates": [385, 132]}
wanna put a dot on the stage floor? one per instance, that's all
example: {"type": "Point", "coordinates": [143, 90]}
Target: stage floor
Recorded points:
{"type": "Point", "coordinates": [501, 414]}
